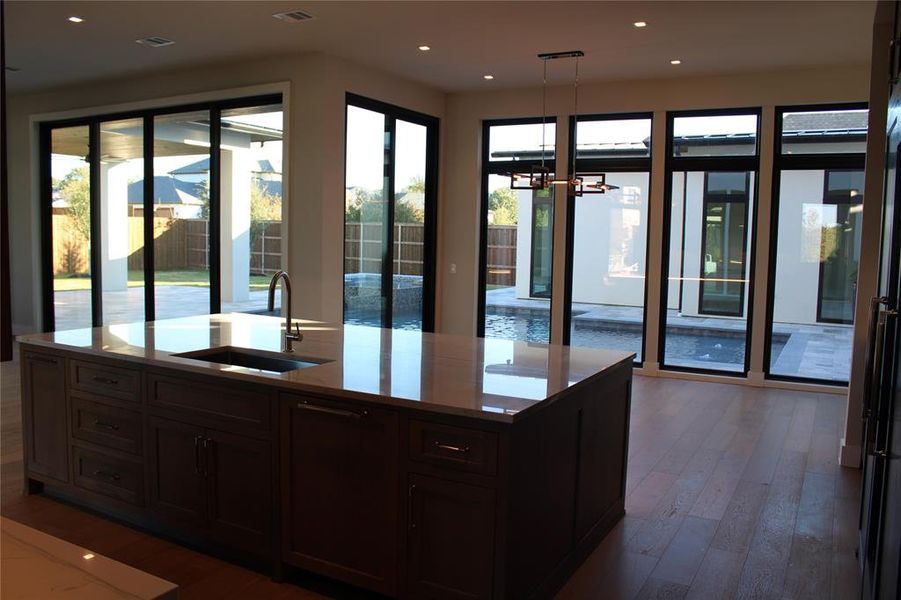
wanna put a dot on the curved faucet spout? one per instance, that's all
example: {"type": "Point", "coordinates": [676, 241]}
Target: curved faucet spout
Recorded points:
{"type": "Point", "coordinates": [291, 334]}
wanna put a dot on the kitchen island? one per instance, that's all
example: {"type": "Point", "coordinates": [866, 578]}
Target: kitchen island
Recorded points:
{"type": "Point", "coordinates": [410, 464]}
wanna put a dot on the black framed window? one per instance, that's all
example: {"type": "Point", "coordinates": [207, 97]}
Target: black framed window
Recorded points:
{"type": "Point", "coordinates": [517, 232]}
{"type": "Point", "coordinates": [133, 224]}
{"type": "Point", "coordinates": [607, 234]}
{"type": "Point", "coordinates": [391, 178]}
{"type": "Point", "coordinates": [712, 163]}
{"type": "Point", "coordinates": [818, 186]}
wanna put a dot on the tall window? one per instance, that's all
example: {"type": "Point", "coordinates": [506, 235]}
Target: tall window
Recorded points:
{"type": "Point", "coordinates": [815, 241]}
{"type": "Point", "coordinates": [517, 232]}
{"type": "Point", "coordinates": [608, 234]}
{"type": "Point", "coordinates": [161, 213]}
{"type": "Point", "coordinates": [390, 201]}
{"type": "Point", "coordinates": [712, 167]}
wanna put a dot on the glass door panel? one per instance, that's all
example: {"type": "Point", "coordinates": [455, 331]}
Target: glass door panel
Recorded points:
{"type": "Point", "coordinates": [518, 265]}
{"type": "Point", "coordinates": [365, 216]}
{"type": "Point", "coordinates": [410, 163]}
{"type": "Point", "coordinates": [122, 220]}
{"type": "Point", "coordinates": [181, 214]}
{"type": "Point", "coordinates": [71, 227]}
{"type": "Point", "coordinates": [609, 254]}
{"type": "Point", "coordinates": [706, 313]}
{"type": "Point", "coordinates": [251, 206]}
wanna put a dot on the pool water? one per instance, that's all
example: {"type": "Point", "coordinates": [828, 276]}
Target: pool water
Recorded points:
{"type": "Point", "coordinates": [683, 348]}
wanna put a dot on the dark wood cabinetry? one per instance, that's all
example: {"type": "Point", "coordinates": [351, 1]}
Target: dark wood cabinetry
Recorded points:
{"type": "Point", "coordinates": [45, 417]}
{"type": "Point", "coordinates": [451, 539]}
{"type": "Point", "coordinates": [177, 486]}
{"type": "Point", "coordinates": [402, 499]}
{"type": "Point", "coordinates": [341, 471]}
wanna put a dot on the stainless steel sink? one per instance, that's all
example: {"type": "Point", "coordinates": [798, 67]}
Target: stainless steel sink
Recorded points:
{"type": "Point", "coordinates": [269, 362]}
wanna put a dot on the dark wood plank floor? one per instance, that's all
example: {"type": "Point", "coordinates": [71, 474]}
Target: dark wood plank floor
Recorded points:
{"type": "Point", "coordinates": [733, 492]}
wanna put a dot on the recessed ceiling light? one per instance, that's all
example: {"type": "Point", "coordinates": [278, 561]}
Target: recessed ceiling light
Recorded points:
{"type": "Point", "coordinates": [488, 77]}
{"type": "Point", "coordinates": [75, 19]}
{"type": "Point", "coordinates": [425, 48]}
{"type": "Point", "coordinates": [88, 556]}
{"type": "Point", "coordinates": [640, 24]}
{"type": "Point", "coordinates": [675, 62]}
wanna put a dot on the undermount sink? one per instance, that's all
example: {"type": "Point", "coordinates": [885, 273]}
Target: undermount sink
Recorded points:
{"type": "Point", "coordinates": [251, 359]}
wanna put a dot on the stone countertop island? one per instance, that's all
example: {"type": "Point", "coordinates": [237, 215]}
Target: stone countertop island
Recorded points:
{"type": "Point", "coordinates": [408, 463]}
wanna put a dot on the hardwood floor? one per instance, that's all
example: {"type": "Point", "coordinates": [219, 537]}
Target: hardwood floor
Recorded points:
{"type": "Point", "coordinates": [733, 492]}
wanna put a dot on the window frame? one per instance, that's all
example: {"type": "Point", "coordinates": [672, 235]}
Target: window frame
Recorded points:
{"type": "Point", "coordinates": [791, 162]}
{"type": "Point", "coordinates": [392, 114]}
{"type": "Point", "coordinates": [93, 122]}
{"type": "Point", "coordinates": [733, 163]}
{"type": "Point", "coordinates": [488, 168]}
{"type": "Point", "coordinates": [625, 164]}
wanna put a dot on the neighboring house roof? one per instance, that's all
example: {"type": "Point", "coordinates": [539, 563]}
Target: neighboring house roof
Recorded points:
{"type": "Point", "coordinates": [203, 166]}
{"type": "Point", "coordinates": [166, 190]}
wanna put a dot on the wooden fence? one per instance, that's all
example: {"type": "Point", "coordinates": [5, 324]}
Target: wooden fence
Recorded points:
{"type": "Point", "coordinates": [181, 244]}
{"type": "Point", "coordinates": [178, 245]}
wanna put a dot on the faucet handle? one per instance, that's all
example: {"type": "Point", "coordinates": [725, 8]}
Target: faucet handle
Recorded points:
{"type": "Point", "coordinates": [296, 334]}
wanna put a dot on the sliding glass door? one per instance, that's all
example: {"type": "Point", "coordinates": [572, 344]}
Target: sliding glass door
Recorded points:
{"type": "Point", "coordinates": [711, 182]}
{"type": "Point", "coordinates": [389, 216]}
{"type": "Point", "coordinates": [608, 235]}
{"type": "Point", "coordinates": [161, 213]}
{"type": "Point", "coordinates": [815, 241]}
{"type": "Point", "coordinates": [517, 241]}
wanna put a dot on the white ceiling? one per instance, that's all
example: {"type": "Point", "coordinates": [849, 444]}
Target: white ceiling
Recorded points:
{"type": "Point", "coordinates": [468, 39]}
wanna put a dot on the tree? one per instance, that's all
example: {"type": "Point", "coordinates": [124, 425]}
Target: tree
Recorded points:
{"type": "Point", "coordinates": [366, 206]}
{"type": "Point", "coordinates": [504, 205]}
{"type": "Point", "coordinates": [75, 189]}
{"type": "Point", "coordinates": [264, 207]}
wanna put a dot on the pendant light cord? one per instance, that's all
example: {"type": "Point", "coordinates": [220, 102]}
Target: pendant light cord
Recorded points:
{"type": "Point", "coordinates": [575, 118]}
{"type": "Point", "coordinates": [543, 112]}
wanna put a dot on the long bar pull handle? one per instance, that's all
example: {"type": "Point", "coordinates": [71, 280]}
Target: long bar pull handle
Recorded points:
{"type": "Point", "coordinates": [884, 317]}
{"type": "Point", "coordinates": [448, 447]}
{"type": "Point", "coordinates": [411, 493]}
{"type": "Point", "coordinates": [873, 335]}
{"type": "Point", "coordinates": [207, 450]}
{"type": "Point", "coordinates": [104, 425]}
{"type": "Point", "coordinates": [107, 475]}
{"type": "Point", "coordinates": [338, 412]}
{"type": "Point", "coordinates": [198, 439]}
{"type": "Point", "coordinates": [105, 380]}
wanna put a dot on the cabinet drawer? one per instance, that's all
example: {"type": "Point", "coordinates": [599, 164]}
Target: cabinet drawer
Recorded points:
{"type": "Point", "coordinates": [106, 425]}
{"type": "Point", "coordinates": [113, 477]}
{"type": "Point", "coordinates": [115, 382]}
{"type": "Point", "coordinates": [223, 405]}
{"type": "Point", "coordinates": [456, 447]}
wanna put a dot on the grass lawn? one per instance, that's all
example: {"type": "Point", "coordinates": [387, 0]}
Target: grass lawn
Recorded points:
{"type": "Point", "coordinates": [196, 278]}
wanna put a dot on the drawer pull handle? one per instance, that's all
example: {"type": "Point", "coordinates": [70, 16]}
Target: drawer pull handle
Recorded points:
{"type": "Point", "coordinates": [103, 425]}
{"type": "Point", "coordinates": [338, 412]}
{"type": "Point", "coordinates": [107, 475]}
{"type": "Point", "coordinates": [105, 380]}
{"type": "Point", "coordinates": [449, 448]}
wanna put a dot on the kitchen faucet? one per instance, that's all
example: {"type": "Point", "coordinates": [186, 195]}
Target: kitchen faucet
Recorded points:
{"type": "Point", "coordinates": [291, 334]}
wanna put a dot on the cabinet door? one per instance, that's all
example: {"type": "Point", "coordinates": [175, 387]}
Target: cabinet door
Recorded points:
{"type": "Point", "coordinates": [177, 485]}
{"type": "Point", "coordinates": [343, 497]}
{"type": "Point", "coordinates": [239, 485]}
{"type": "Point", "coordinates": [451, 539]}
{"type": "Point", "coordinates": [45, 415]}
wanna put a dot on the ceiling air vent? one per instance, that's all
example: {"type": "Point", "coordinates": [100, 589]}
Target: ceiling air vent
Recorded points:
{"type": "Point", "coordinates": [294, 16]}
{"type": "Point", "coordinates": [155, 41]}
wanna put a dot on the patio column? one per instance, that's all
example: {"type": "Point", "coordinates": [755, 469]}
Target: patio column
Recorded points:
{"type": "Point", "coordinates": [235, 230]}
{"type": "Point", "coordinates": [114, 229]}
